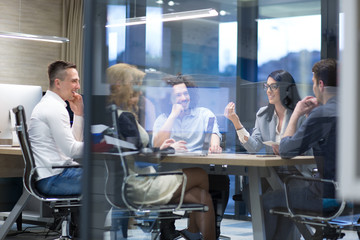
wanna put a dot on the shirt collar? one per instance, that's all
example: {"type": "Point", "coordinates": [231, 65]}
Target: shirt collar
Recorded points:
{"type": "Point", "coordinates": [55, 96]}
{"type": "Point", "coordinates": [192, 113]}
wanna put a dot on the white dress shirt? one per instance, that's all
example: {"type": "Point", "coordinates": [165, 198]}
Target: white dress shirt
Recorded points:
{"type": "Point", "coordinates": [53, 140]}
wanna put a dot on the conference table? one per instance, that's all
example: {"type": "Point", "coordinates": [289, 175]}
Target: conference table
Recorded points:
{"type": "Point", "coordinates": [254, 166]}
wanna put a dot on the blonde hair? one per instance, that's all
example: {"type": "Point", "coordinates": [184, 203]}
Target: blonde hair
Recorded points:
{"type": "Point", "coordinates": [122, 77]}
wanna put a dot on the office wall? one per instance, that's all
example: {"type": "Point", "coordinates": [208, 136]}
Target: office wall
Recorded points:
{"type": "Point", "coordinates": [24, 61]}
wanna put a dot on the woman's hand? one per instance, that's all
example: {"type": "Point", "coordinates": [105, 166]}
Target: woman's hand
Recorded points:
{"type": "Point", "coordinates": [230, 114]}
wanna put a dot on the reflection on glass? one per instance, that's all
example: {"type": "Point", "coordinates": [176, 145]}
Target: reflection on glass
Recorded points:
{"type": "Point", "coordinates": [279, 37]}
{"type": "Point", "coordinates": [228, 48]}
{"type": "Point", "coordinates": [116, 36]}
{"type": "Point", "coordinates": [292, 44]}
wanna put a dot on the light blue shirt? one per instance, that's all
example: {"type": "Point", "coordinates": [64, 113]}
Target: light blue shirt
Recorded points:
{"type": "Point", "coordinates": [190, 128]}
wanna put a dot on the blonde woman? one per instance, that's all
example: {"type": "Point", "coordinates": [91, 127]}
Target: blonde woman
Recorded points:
{"type": "Point", "coordinates": [124, 79]}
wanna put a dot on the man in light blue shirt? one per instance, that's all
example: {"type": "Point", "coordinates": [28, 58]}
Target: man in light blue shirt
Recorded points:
{"type": "Point", "coordinates": [185, 122]}
{"type": "Point", "coordinates": [186, 125]}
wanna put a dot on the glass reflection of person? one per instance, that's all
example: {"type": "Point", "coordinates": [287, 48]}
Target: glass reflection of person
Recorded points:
{"type": "Point", "coordinates": [185, 122]}
{"type": "Point", "coordinates": [123, 78]}
{"type": "Point", "coordinates": [271, 120]}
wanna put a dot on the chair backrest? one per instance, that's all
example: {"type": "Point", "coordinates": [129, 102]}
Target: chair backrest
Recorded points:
{"type": "Point", "coordinates": [121, 174]}
{"type": "Point", "coordinates": [116, 168]}
{"type": "Point", "coordinates": [30, 174]}
{"type": "Point", "coordinates": [21, 130]}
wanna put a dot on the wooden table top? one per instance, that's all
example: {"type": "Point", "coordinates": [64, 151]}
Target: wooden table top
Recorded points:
{"type": "Point", "coordinates": [10, 150]}
{"type": "Point", "coordinates": [239, 160]}
{"type": "Point", "coordinates": [11, 162]}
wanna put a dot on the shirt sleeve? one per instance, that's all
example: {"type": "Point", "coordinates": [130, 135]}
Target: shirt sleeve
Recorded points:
{"type": "Point", "coordinates": [216, 125]}
{"type": "Point", "coordinates": [78, 128]}
{"type": "Point", "coordinates": [242, 133]}
{"type": "Point", "coordinates": [159, 122]}
{"type": "Point", "coordinates": [306, 136]}
{"type": "Point", "coordinates": [254, 143]}
{"type": "Point", "coordinates": [63, 133]}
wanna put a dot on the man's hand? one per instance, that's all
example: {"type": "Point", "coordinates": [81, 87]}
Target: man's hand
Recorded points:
{"type": "Point", "coordinates": [275, 149]}
{"type": "Point", "coordinates": [176, 110]}
{"type": "Point", "coordinates": [178, 146]}
{"type": "Point", "coordinates": [77, 105]}
{"type": "Point", "coordinates": [215, 149]}
{"type": "Point", "coordinates": [215, 144]}
{"type": "Point", "coordinates": [302, 107]}
{"type": "Point", "coordinates": [305, 106]}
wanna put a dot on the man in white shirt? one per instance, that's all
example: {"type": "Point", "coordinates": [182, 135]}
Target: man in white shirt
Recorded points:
{"type": "Point", "coordinates": [53, 140]}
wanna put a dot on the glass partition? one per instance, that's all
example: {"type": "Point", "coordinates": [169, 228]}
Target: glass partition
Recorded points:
{"type": "Point", "coordinates": [227, 48]}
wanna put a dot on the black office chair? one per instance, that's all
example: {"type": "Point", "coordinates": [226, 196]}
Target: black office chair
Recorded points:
{"type": "Point", "coordinates": [61, 205]}
{"type": "Point", "coordinates": [324, 218]}
{"type": "Point", "coordinates": [117, 194]}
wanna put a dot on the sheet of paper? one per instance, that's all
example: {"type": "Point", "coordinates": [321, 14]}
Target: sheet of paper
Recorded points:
{"type": "Point", "coordinates": [99, 128]}
{"type": "Point", "coordinates": [118, 142]}
{"type": "Point", "coordinates": [270, 143]}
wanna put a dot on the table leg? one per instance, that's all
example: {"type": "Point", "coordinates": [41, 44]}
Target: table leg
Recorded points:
{"type": "Point", "coordinates": [19, 222]}
{"type": "Point", "coordinates": [257, 214]}
{"type": "Point", "coordinates": [14, 214]}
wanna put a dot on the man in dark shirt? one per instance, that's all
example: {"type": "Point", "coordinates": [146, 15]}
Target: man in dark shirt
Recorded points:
{"type": "Point", "coordinates": [317, 132]}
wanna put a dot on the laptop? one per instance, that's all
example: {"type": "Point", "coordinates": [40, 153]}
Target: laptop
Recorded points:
{"type": "Point", "coordinates": [206, 144]}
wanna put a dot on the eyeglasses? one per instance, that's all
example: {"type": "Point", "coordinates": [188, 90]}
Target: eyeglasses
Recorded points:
{"type": "Point", "coordinates": [272, 86]}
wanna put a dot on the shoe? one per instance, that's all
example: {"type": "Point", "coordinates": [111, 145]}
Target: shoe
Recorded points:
{"type": "Point", "coordinates": [167, 230]}
{"type": "Point", "coordinates": [186, 237]}
{"type": "Point", "coordinates": [170, 235]}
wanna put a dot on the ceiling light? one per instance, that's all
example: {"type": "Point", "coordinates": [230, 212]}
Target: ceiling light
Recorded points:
{"type": "Point", "coordinates": [176, 16]}
{"type": "Point", "coordinates": [42, 38]}
{"type": "Point", "coordinates": [223, 13]}
{"type": "Point", "coordinates": [171, 3]}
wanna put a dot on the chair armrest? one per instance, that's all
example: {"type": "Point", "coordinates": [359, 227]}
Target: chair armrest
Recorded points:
{"type": "Point", "coordinates": [334, 207]}
{"type": "Point", "coordinates": [67, 166]}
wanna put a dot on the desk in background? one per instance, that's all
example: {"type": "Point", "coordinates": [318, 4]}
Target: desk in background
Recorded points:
{"type": "Point", "coordinates": [11, 162]}
{"type": "Point", "coordinates": [254, 166]}
{"type": "Point", "coordinates": [12, 166]}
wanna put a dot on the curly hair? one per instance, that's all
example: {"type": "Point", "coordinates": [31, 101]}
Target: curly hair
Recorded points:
{"type": "Point", "coordinates": [122, 78]}
{"type": "Point", "coordinates": [190, 85]}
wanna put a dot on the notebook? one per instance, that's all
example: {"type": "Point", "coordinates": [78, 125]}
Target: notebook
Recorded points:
{"type": "Point", "coordinates": [206, 144]}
